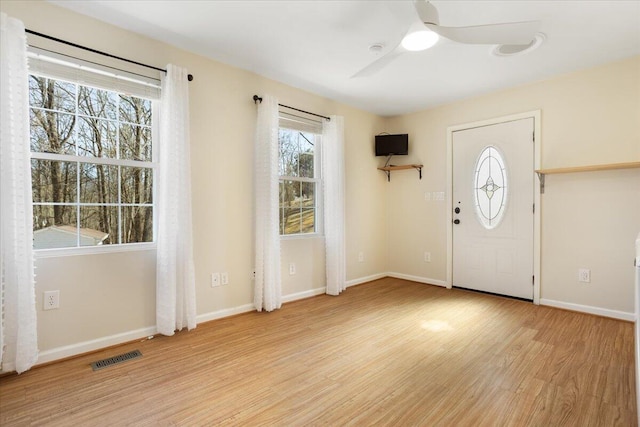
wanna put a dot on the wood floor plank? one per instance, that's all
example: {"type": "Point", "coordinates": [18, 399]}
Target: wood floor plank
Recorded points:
{"type": "Point", "coordinates": [387, 353]}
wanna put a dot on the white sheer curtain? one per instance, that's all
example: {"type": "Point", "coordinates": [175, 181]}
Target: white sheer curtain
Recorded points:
{"type": "Point", "coordinates": [267, 287]}
{"type": "Point", "coordinates": [334, 210]}
{"type": "Point", "coordinates": [175, 280]}
{"type": "Point", "coordinates": [18, 334]}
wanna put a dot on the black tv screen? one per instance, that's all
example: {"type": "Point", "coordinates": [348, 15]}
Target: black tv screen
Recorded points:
{"type": "Point", "coordinates": [398, 145]}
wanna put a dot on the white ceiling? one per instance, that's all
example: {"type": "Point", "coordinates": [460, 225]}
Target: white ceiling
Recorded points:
{"type": "Point", "coordinates": [318, 45]}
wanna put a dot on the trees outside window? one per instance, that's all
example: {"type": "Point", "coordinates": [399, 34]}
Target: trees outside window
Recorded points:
{"type": "Point", "coordinates": [299, 182]}
{"type": "Point", "coordinates": [91, 167]}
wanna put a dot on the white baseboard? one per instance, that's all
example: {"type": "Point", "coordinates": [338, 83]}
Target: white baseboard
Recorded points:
{"type": "Point", "coordinates": [418, 279]}
{"type": "Point", "coordinates": [605, 312]}
{"type": "Point", "coordinates": [100, 343]}
{"type": "Point", "coordinates": [93, 345]}
{"type": "Point", "coordinates": [361, 280]}
{"type": "Point", "coordinates": [245, 308]}
{"type": "Point", "coordinates": [304, 294]}
{"type": "Point", "coordinates": [225, 312]}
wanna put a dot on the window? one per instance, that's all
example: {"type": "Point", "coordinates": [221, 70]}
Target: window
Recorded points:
{"type": "Point", "coordinates": [490, 187]}
{"type": "Point", "coordinates": [91, 167]}
{"type": "Point", "coordinates": [300, 186]}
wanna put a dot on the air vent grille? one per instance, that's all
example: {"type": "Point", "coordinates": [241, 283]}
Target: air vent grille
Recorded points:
{"type": "Point", "coordinates": [105, 363]}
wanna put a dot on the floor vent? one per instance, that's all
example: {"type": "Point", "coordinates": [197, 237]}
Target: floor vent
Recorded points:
{"type": "Point", "coordinates": [105, 363]}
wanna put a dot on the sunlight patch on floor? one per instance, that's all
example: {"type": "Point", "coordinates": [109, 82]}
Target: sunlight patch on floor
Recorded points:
{"type": "Point", "coordinates": [436, 326]}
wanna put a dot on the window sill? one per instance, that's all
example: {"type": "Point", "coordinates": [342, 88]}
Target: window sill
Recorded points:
{"type": "Point", "coordinates": [302, 236]}
{"type": "Point", "coordinates": [92, 250]}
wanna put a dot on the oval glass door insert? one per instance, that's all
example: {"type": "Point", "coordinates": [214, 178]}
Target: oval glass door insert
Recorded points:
{"type": "Point", "coordinates": [490, 187]}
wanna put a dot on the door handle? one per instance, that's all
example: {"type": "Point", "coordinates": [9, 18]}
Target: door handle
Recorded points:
{"type": "Point", "coordinates": [456, 221]}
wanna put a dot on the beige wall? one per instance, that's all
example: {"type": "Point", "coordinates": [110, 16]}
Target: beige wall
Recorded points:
{"type": "Point", "coordinates": [588, 117]}
{"type": "Point", "coordinates": [106, 295]}
{"type": "Point", "coordinates": [589, 220]}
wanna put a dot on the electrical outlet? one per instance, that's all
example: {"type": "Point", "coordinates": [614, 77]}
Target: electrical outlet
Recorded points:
{"type": "Point", "coordinates": [360, 256]}
{"type": "Point", "coordinates": [427, 257]}
{"type": "Point", "coordinates": [427, 196]}
{"type": "Point", "coordinates": [292, 268]}
{"type": "Point", "coordinates": [225, 278]}
{"type": "Point", "coordinates": [584, 275]}
{"type": "Point", "coordinates": [215, 279]}
{"type": "Point", "coordinates": [51, 300]}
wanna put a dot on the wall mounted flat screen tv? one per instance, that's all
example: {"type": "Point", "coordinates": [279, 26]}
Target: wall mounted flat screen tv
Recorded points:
{"type": "Point", "coordinates": [397, 145]}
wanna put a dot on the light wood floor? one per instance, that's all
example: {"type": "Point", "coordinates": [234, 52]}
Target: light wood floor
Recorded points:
{"type": "Point", "coordinates": [389, 352]}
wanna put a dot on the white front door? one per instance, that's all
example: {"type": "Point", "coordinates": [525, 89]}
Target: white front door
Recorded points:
{"type": "Point", "coordinates": [493, 212]}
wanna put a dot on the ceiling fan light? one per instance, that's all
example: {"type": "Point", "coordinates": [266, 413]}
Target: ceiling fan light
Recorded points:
{"type": "Point", "coordinates": [419, 40]}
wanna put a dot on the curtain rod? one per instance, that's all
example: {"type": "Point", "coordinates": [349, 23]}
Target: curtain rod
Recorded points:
{"type": "Point", "coordinates": [99, 52]}
{"type": "Point", "coordinates": [257, 99]}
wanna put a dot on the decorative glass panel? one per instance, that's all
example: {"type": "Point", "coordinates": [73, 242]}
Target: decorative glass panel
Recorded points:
{"type": "Point", "coordinates": [490, 187]}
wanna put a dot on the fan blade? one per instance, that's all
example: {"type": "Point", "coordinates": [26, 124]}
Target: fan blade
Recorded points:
{"type": "Point", "coordinates": [427, 12]}
{"type": "Point", "coordinates": [520, 33]}
{"type": "Point", "coordinates": [381, 62]}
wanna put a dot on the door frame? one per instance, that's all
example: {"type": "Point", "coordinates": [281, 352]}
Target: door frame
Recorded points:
{"type": "Point", "coordinates": [536, 116]}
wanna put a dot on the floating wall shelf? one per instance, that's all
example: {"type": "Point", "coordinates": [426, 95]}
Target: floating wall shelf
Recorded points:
{"type": "Point", "coordinates": [591, 168]}
{"type": "Point", "coordinates": [388, 169]}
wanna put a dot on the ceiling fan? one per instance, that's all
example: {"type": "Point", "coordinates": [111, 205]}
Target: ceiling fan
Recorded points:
{"type": "Point", "coordinates": [427, 32]}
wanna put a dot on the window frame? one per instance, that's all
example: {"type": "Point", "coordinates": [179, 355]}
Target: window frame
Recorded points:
{"type": "Point", "coordinates": [79, 160]}
{"type": "Point", "coordinates": [305, 125]}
